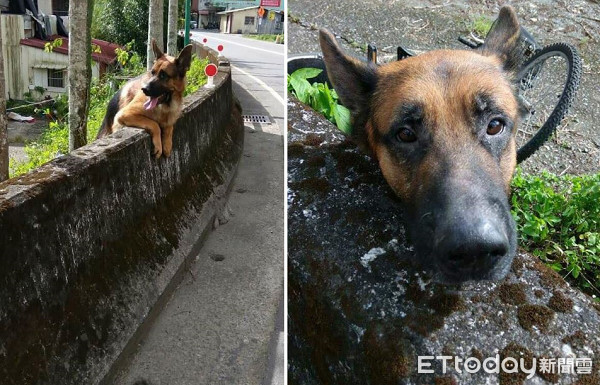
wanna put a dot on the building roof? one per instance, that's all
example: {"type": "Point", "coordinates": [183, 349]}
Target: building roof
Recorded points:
{"type": "Point", "coordinates": [238, 9]}
{"type": "Point", "coordinates": [247, 8]}
{"type": "Point", "coordinates": [106, 56]}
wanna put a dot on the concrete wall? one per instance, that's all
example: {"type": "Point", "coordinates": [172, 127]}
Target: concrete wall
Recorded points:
{"type": "Point", "coordinates": [92, 240]}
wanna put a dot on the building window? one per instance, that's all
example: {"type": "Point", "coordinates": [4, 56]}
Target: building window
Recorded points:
{"type": "Point", "coordinates": [56, 78]}
{"type": "Point", "coordinates": [60, 7]}
{"type": "Point", "coordinates": [249, 20]}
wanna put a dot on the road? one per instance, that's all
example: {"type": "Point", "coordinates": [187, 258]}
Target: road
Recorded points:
{"type": "Point", "coordinates": [258, 67]}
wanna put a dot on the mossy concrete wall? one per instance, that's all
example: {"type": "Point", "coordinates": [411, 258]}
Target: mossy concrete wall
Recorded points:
{"type": "Point", "coordinates": [91, 241]}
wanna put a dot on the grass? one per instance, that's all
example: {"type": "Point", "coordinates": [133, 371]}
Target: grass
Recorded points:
{"type": "Point", "coordinates": [266, 37]}
{"type": "Point", "coordinates": [558, 217]}
{"type": "Point", "coordinates": [480, 25]}
{"type": "Point", "coordinates": [54, 141]}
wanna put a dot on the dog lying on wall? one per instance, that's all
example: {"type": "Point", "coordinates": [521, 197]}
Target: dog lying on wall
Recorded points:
{"type": "Point", "coordinates": [152, 101]}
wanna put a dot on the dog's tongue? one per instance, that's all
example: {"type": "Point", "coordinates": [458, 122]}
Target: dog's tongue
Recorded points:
{"type": "Point", "coordinates": [151, 103]}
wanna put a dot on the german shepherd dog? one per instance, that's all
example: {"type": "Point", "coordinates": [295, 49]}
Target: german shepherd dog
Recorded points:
{"type": "Point", "coordinates": [152, 101]}
{"type": "Point", "coordinates": [442, 127]}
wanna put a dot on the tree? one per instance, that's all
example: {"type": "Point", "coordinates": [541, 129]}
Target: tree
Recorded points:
{"type": "Point", "coordinates": [3, 128]}
{"type": "Point", "coordinates": [122, 21]}
{"type": "Point", "coordinates": [80, 70]}
{"type": "Point", "coordinates": [155, 29]}
{"type": "Point", "coordinates": [172, 30]}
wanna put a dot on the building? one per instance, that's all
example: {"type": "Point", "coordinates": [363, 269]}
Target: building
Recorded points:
{"type": "Point", "coordinates": [252, 20]}
{"type": "Point", "coordinates": [207, 12]}
{"type": "Point", "coordinates": [28, 65]}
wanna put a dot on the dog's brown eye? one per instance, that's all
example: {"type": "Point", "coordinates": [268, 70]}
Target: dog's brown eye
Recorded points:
{"type": "Point", "coordinates": [495, 126]}
{"type": "Point", "coordinates": [407, 135]}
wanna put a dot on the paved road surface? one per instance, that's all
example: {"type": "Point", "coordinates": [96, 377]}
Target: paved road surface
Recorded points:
{"type": "Point", "coordinates": [251, 60]}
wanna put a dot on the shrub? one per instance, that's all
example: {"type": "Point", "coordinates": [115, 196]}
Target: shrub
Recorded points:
{"type": "Point", "coordinates": [558, 220]}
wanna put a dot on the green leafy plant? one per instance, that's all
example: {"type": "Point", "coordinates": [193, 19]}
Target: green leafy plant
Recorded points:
{"type": "Point", "coordinates": [196, 77]}
{"type": "Point", "coordinates": [558, 220]}
{"type": "Point", "coordinates": [320, 97]}
{"type": "Point", "coordinates": [56, 43]}
{"type": "Point", "coordinates": [129, 62]}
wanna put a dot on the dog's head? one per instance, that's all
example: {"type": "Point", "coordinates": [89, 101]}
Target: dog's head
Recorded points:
{"type": "Point", "coordinates": [166, 76]}
{"type": "Point", "coordinates": [442, 127]}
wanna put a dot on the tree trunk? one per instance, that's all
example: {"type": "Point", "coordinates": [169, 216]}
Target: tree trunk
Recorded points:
{"type": "Point", "coordinates": [172, 30]}
{"type": "Point", "coordinates": [155, 29]}
{"type": "Point", "coordinates": [3, 129]}
{"type": "Point", "coordinates": [80, 70]}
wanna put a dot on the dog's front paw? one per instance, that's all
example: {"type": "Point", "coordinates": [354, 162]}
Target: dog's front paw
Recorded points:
{"type": "Point", "coordinates": [166, 150]}
{"type": "Point", "coordinates": [158, 152]}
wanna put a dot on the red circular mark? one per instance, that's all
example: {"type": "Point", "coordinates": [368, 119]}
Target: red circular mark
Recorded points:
{"type": "Point", "coordinates": [210, 70]}
{"type": "Point", "coordinates": [220, 48]}
{"type": "Point", "coordinates": [204, 40]}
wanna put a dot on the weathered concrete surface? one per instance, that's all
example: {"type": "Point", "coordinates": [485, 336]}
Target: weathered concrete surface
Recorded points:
{"type": "Point", "coordinates": [90, 241]}
{"type": "Point", "coordinates": [361, 311]}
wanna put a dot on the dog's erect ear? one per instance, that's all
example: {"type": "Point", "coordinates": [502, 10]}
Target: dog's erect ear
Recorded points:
{"type": "Point", "coordinates": [353, 80]}
{"type": "Point", "coordinates": [184, 60]}
{"type": "Point", "coordinates": [503, 39]}
{"type": "Point", "coordinates": [158, 53]}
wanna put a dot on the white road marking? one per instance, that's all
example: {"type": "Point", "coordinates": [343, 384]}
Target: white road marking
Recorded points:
{"type": "Point", "coordinates": [262, 84]}
{"type": "Point", "coordinates": [244, 45]}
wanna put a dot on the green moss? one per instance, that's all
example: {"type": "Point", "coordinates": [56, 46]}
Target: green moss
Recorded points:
{"type": "Point", "coordinates": [512, 293]}
{"type": "Point", "coordinates": [576, 340]}
{"type": "Point", "coordinates": [320, 185]}
{"type": "Point", "coordinates": [295, 149]}
{"type": "Point", "coordinates": [535, 315]}
{"type": "Point", "coordinates": [313, 139]}
{"type": "Point", "coordinates": [560, 303]}
{"type": "Point", "coordinates": [447, 380]}
{"type": "Point", "coordinates": [388, 356]}
{"type": "Point", "coordinates": [517, 352]}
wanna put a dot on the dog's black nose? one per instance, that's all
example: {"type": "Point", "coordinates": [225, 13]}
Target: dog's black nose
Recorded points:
{"type": "Point", "coordinates": [146, 90]}
{"type": "Point", "coordinates": [471, 248]}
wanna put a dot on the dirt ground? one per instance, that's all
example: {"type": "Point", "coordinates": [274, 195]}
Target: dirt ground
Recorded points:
{"type": "Point", "coordinates": [20, 133]}
{"type": "Point", "coordinates": [430, 24]}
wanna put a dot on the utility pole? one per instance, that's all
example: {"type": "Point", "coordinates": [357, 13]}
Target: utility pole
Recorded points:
{"type": "Point", "coordinates": [186, 38]}
{"type": "Point", "coordinates": [3, 123]}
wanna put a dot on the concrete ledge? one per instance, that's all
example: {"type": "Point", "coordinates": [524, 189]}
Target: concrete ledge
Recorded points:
{"type": "Point", "coordinates": [90, 241]}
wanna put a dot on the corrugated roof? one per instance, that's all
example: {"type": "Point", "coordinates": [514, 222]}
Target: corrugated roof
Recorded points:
{"type": "Point", "coordinates": [238, 9]}
{"type": "Point", "coordinates": [106, 56]}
